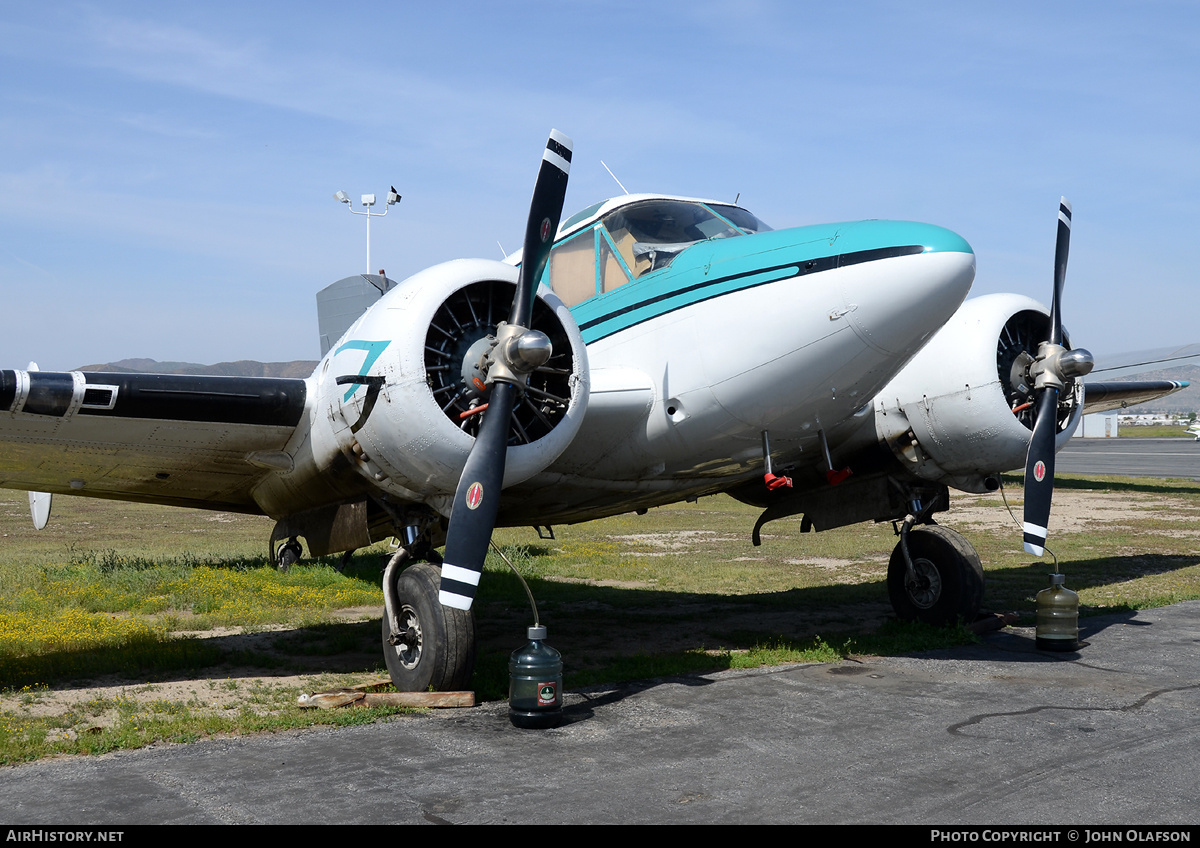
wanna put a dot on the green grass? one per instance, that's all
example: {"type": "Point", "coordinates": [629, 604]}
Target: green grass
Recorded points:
{"type": "Point", "coordinates": [116, 594]}
{"type": "Point", "coordinates": [105, 724]}
{"type": "Point", "coordinates": [1153, 430]}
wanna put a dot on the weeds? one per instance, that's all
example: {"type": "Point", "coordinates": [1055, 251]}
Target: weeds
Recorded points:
{"type": "Point", "coordinates": [676, 591]}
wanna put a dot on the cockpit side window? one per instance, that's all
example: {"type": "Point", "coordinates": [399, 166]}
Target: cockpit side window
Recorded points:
{"type": "Point", "coordinates": [636, 239]}
{"type": "Point", "coordinates": [609, 263]}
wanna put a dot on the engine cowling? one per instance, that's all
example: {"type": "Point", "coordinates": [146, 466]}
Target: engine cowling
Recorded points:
{"type": "Point", "coordinates": [962, 410]}
{"type": "Point", "coordinates": [408, 421]}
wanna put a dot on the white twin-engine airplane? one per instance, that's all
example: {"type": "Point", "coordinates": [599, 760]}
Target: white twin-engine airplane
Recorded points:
{"type": "Point", "coordinates": [675, 348]}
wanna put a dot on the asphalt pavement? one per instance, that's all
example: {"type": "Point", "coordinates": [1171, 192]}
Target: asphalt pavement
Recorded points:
{"type": "Point", "coordinates": [1131, 457]}
{"type": "Point", "coordinates": [998, 733]}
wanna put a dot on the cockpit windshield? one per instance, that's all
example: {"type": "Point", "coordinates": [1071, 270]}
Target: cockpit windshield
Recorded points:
{"type": "Point", "coordinates": [668, 222]}
{"type": "Point", "coordinates": [740, 218]}
{"type": "Point", "coordinates": [651, 233]}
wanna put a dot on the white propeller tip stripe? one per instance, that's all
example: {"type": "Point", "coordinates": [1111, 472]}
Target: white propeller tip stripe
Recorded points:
{"type": "Point", "coordinates": [1038, 532]}
{"type": "Point", "coordinates": [449, 599]}
{"type": "Point", "coordinates": [460, 574]}
{"type": "Point", "coordinates": [557, 161]}
{"type": "Point", "coordinates": [554, 158]}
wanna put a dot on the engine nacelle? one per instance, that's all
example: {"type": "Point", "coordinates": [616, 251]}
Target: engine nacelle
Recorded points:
{"type": "Point", "coordinates": [962, 410]}
{"type": "Point", "coordinates": [407, 421]}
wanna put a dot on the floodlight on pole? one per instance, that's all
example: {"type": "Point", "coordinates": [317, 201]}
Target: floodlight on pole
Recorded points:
{"type": "Point", "coordinates": [368, 200]}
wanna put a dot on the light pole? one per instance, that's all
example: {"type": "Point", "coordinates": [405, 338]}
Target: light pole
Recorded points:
{"type": "Point", "coordinates": [368, 200]}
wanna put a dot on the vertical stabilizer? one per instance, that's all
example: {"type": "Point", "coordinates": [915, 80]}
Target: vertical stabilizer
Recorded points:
{"type": "Point", "coordinates": [340, 304]}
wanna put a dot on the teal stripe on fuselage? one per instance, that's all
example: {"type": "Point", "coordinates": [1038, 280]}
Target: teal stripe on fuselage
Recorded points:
{"type": "Point", "coordinates": [717, 267]}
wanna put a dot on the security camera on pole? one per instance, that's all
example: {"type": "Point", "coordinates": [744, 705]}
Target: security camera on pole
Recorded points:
{"type": "Point", "coordinates": [368, 200]}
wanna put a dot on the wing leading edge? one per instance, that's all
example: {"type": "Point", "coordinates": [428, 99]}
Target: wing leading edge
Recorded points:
{"type": "Point", "coordinates": [159, 438]}
{"type": "Point", "coordinates": [1102, 397]}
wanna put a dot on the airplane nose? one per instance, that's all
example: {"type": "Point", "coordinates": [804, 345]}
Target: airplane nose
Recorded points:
{"type": "Point", "coordinates": [896, 297]}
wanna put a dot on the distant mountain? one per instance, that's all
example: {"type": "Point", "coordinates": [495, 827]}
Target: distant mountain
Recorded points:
{"type": "Point", "coordinates": [242, 368]}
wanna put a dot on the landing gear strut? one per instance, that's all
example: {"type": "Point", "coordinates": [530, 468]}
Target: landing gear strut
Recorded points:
{"type": "Point", "coordinates": [425, 645]}
{"type": "Point", "coordinates": [946, 580]}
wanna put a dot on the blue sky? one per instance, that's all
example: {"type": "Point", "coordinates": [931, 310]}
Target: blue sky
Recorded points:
{"type": "Point", "coordinates": [167, 170]}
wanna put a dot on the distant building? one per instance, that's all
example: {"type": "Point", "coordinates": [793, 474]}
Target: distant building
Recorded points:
{"type": "Point", "coordinates": [1148, 419]}
{"type": "Point", "coordinates": [1098, 425]}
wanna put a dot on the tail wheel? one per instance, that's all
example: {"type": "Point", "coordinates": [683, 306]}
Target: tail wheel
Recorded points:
{"type": "Point", "coordinates": [434, 645]}
{"type": "Point", "coordinates": [947, 583]}
{"type": "Point", "coordinates": [288, 555]}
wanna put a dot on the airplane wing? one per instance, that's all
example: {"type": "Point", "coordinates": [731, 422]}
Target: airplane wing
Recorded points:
{"type": "Point", "coordinates": [183, 440]}
{"type": "Point", "coordinates": [1102, 397]}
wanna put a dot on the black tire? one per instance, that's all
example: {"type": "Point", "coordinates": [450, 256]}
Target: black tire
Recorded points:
{"type": "Point", "coordinates": [438, 647]}
{"type": "Point", "coordinates": [289, 554]}
{"type": "Point", "coordinates": [949, 584]}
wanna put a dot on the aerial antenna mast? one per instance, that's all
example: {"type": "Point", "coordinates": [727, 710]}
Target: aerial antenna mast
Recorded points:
{"type": "Point", "coordinates": [614, 176]}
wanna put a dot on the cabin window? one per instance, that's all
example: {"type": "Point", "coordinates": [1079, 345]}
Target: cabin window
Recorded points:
{"type": "Point", "coordinates": [572, 268]}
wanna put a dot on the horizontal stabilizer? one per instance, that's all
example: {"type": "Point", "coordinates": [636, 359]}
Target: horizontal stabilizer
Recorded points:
{"type": "Point", "coordinates": [1102, 397]}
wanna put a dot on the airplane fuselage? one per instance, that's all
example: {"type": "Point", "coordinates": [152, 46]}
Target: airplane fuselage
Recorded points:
{"type": "Point", "coordinates": [790, 331]}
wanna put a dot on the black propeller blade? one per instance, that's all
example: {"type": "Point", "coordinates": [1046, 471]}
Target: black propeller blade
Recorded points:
{"type": "Point", "coordinates": [518, 350]}
{"type": "Point", "coordinates": [545, 210]}
{"type": "Point", "coordinates": [1051, 370]}
{"type": "Point", "coordinates": [1039, 472]}
{"type": "Point", "coordinates": [476, 502]}
{"type": "Point", "coordinates": [1061, 248]}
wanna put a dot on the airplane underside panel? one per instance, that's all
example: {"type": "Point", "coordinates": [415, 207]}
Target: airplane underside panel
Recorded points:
{"type": "Point", "coordinates": [162, 438]}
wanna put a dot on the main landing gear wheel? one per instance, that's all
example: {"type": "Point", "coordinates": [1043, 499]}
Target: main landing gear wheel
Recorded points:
{"type": "Point", "coordinates": [948, 583]}
{"type": "Point", "coordinates": [435, 645]}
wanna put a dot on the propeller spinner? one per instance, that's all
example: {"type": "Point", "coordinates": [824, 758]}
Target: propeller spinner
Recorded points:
{"type": "Point", "coordinates": [517, 351]}
{"type": "Point", "coordinates": [1053, 368]}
